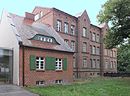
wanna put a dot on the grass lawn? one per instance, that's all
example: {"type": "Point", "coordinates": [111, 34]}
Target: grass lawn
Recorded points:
{"type": "Point", "coordinates": [91, 87]}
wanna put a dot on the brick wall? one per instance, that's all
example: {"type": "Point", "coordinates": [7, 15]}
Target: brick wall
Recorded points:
{"type": "Point", "coordinates": [30, 77]}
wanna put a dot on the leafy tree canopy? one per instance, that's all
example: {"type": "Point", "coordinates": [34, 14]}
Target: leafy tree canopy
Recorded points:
{"type": "Point", "coordinates": [117, 13]}
{"type": "Point", "coordinates": [123, 56]}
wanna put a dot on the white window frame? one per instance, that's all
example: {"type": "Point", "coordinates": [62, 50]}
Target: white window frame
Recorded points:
{"type": "Point", "coordinates": [40, 83]}
{"type": "Point", "coordinates": [49, 39]}
{"type": "Point", "coordinates": [40, 62]}
{"type": "Point", "coordinates": [72, 30]}
{"type": "Point", "coordinates": [66, 41]}
{"type": "Point", "coordinates": [93, 63]}
{"type": "Point", "coordinates": [106, 63]}
{"type": "Point", "coordinates": [111, 64]}
{"type": "Point", "coordinates": [66, 27]}
{"type": "Point", "coordinates": [85, 62]}
{"type": "Point", "coordinates": [98, 63]}
{"type": "Point", "coordinates": [73, 45]}
{"type": "Point", "coordinates": [93, 37]}
{"type": "Point", "coordinates": [58, 81]}
{"type": "Point", "coordinates": [94, 50]}
{"type": "Point", "coordinates": [84, 47]}
{"type": "Point", "coordinates": [41, 13]}
{"type": "Point", "coordinates": [98, 38]}
{"type": "Point", "coordinates": [58, 25]}
{"type": "Point", "coordinates": [98, 50]}
{"type": "Point", "coordinates": [36, 17]}
{"type": "Point", "coordinates": [59, 64]}
{"type": "Point", "coordinates": [84, 32]}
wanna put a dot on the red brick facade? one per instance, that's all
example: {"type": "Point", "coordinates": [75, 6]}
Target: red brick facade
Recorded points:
{"type": "Point", "coordinates": [30, 77]}
{"type": "Point", "coordinates": [51, 17]}
{"type": "Point", "coordinates": [91, 62]}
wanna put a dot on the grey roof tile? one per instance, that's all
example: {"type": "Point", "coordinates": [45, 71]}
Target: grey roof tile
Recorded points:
{"type": "Point", "coordinates": [26, 32]}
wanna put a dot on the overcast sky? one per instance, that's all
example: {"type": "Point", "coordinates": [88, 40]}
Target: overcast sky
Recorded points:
{"type": "Point", "coordinates": [72, 7]}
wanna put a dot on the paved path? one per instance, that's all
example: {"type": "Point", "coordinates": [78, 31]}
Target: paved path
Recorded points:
{"type": "Point", "coordinates": [12, 90]}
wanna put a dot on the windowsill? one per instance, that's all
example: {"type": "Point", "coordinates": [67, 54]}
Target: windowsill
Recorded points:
{"type": "Point", "coordinates": [95, 42]}
{"type": "Point", "coordinates": [85, 52]}
{"type": "Point", "coordinates": [40, 70]}
{"type": "Point", "coordinates": [59, 70]}
{"type": "Point", "coordinates": [85, 37]}
{"type": "Point", "coordinates": [66, 33]}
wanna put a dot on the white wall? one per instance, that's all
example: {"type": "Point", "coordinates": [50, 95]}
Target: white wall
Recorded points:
{"type": "Point", "coordinates": [8, 40]}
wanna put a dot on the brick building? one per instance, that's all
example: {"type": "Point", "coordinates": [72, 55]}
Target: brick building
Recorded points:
{"type": "Point", "coordinates": [50, 46]}
{"type": "Point", "coordinates": [90, 57]}
{"type": "Point", "coordinates": [33, 53]}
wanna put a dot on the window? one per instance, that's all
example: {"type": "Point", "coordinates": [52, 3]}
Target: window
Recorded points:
{"type": "Point", "coordinates": [111, 53]}
{"type": "Point", "coordinates": [45, 39]}
{"type": "Point", "coordinates": [84, 32]}
{"type": "Point", "coordinates": [58, 64]}
{"type": "Point", "coordinates": [40, 38]}
{"type": "Point", "coordinates": [41, 13]}
{"type": "Point", "coordinates": [93, 50]}
{"type": "Point", "coordinates": [37, 16]}
{"type": "Point", "coordinates": [93, 63]}
{"type": "Point", "coordinates": [72, 30]}
{"type": "Point", "coordinates": [73, 45]}
{"type": "Point", "coordinates": [114, 54]}
{"type": "Point", "coordinates": [66, 27]}
{"type": "Point", "coordinates": [105, 51]}
{"type": "Point", "coordinates": [111, 65]}
{"type": "Point", "coordinates": [40, 83]}
{"type": "Point", "coordinates": [93, 37]}
{"type": "Point", "coordinates": [84, 62]}
{"type": "Point", "coordinates": [106, 64]}
{"type": "Point", "coordinates": [90, 35]}
{"type": "Point", "coordinates": [98, 63]}
{"type": "Point", "coordinates": [98, 38]}
{"type": "Point", "coordinates": [74, 62]}
{"type": "Point", "coordinates": [84, 47]}
{"type": "Point", "coordinates": [114, 65]}
{"type": "Point", "coordinates": [58, 25]}
{"type": "Point", "coordinates": [98, 51]}
{"type": "Point", "coordinates": [49, 40]}
{"type": "Point", "coordinates": [66, 41]}
{"type": "Point", "coordinates": [40, 63]}
{"type": "Point", "coordinates": [59, 81]}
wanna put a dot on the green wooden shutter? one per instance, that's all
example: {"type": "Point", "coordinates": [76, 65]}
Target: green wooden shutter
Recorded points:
{"type": "Point", "coordinates": [65, 64]}
{"type": "Point", "coordinates": [50, 63]}
{"type": "Point", "coordinates": [32, 62]}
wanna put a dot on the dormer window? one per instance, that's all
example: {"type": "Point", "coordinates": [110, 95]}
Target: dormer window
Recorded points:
{"type": "Point", "coordinates": [49, 40]}
{"type": "Point", "coordinates": [44, 38]}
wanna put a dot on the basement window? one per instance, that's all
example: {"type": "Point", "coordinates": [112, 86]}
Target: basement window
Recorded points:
{"type": "Point", "coordinates": [58, 81]}
{"type": "Point", "coordinates": [40, 83]}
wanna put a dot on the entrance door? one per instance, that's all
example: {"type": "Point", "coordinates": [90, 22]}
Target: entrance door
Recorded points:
{"type": "Point", "coordinates": [5, 66]}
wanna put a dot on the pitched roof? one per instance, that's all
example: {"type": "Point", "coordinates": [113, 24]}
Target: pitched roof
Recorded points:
{"type": "Point", "coordinates": [27, 31]}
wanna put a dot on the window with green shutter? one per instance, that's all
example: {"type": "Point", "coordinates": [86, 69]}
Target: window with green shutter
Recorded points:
{"type": "Point", "coordinates": [32, 62]}
{"type": "Point", "coordinates": [50, 63]}
{"type": "Point", "coordinates": [65, 64]}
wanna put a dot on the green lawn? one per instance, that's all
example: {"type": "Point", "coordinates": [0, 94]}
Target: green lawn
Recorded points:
{"type": "Point", "coordinates": [91, 87]}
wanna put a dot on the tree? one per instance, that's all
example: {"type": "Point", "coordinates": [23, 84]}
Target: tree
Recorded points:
{"type": "Point", "coordinates": [123, 57]}
{"type": "Point", "coordinates": [117, 14]}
